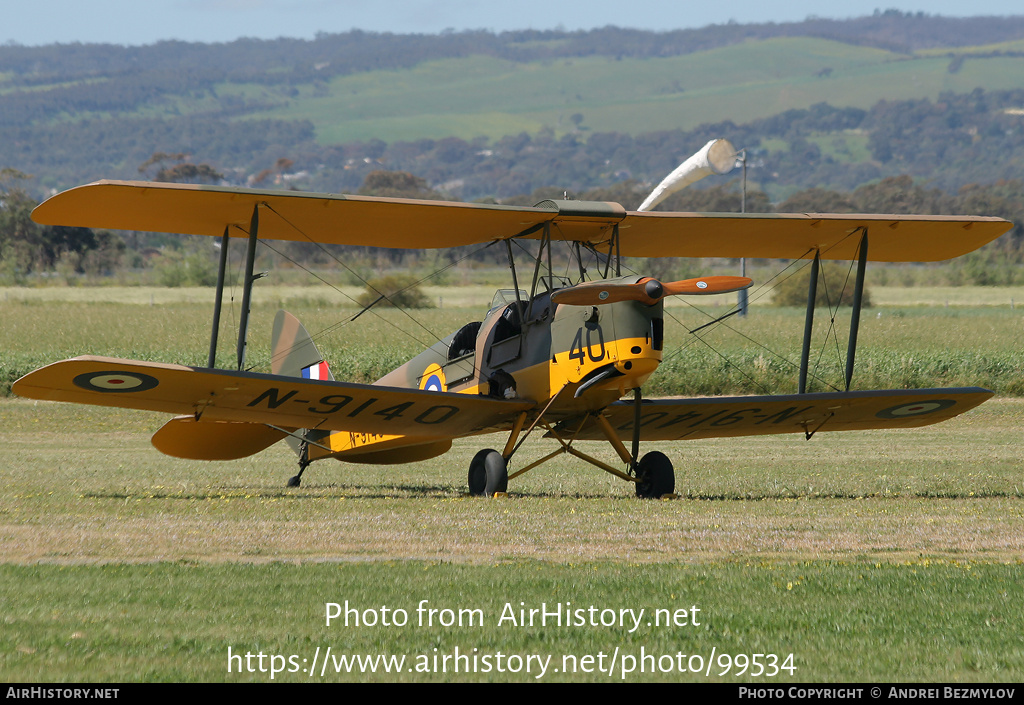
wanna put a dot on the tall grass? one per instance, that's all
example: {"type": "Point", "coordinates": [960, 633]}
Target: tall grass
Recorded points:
{"type": "Point", "coordinates": [898, 347]}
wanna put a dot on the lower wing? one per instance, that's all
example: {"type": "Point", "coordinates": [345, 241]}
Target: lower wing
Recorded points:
{"type": "Point", "coordinates": [283, 402]}
{"type": "Point", "coordinates": [715, 417]}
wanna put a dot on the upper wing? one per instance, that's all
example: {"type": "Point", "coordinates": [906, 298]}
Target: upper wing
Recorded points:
{"type": "Point", "coordinates": [285, 215]}
{"type": "Point", "coordinates": [288, 402]}
{"type": "Point", "coordinates": [891, 238]}
{"type": "Point", "coordinates": [716, 417]}
{"type": "Point", "coordinates": [404, 223]}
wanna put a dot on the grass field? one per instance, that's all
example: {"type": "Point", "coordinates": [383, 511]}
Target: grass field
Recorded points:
{"type": "Point", "coordinates": [868, 556]}
{"type": "Point", "coordinates": [473, 96]}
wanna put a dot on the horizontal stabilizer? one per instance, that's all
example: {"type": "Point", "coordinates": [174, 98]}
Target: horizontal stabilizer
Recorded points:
{"type": "Point", "coordinates": [184, 437]}
{"type": "Point", "coordinates": [718, 417]}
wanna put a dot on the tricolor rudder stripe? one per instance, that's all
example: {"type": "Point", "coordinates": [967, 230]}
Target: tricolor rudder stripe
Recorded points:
{"type": "Point", "coordinates": [318, 371]}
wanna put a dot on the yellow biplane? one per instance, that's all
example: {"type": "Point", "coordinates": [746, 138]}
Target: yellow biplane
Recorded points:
{"type": "Point", "coordinates": [558, 355]}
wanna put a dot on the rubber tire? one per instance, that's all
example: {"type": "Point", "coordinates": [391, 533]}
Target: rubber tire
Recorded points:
{"type": "Point", "coordinates": [488, 473]}
{"type": "Point", "coordinates": [294, 481]}
{"type": "Point", "coordinates": [656, 476]}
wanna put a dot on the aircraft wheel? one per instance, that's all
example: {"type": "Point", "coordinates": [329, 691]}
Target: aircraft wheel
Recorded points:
{"type": "Point", "coordinates": [488, 474]}
{"type": "Point", "coordinates": [656, 476]}
{"type": "Point", "coordinates": [294, 481]}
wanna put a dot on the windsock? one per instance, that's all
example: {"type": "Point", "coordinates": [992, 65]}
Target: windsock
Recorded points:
{"type": "Point", "coordinates": [716, 157]}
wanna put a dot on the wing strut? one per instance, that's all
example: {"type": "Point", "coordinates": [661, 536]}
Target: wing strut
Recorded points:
{"type": "Point", "coordinates": [250, 260]}
{"type": "Point", "coordinates": [222, 267]}
{"type": "Point", "coordinates": [858, 294]}
{"type": "Point", "coordinates": [536, 268]}
{"type": "Point", "coordinates": [812, 293]}
{"type": "Point", "coordinates": [515, 279]}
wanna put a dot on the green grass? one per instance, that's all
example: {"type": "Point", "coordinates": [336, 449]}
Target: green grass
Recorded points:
{"type": "Point", "coordinates": [176, 622]}
{"type": "Point", "coordinates": [973, 341]}
{"type": "Point", "coordinates": [848, 146]}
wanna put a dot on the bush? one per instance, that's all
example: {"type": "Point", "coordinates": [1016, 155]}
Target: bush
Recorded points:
{"type": "Point", "coordinates": [835, 281]}
{"type": "Point", "coordinates": [400, 290]}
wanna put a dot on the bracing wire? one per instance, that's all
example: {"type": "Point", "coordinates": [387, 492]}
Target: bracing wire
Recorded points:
{"type": "Point", "coordinates": [758, 293]}
{"type": "Point", "coordinates": [322, 333]}
{"type": "Point", "coordinates": [350, 270]}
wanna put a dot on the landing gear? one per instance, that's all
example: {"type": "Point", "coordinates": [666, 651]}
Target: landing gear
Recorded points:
{"type": "Point", "coordinates": [655, 476]}
{"type": "Point", "coordinates": [304, 461]}
{"type": "Point", "coordinates": [488, 473]}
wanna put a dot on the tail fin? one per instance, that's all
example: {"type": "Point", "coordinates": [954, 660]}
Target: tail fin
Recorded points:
{"type": "Point", "coordinates": [293, 352]}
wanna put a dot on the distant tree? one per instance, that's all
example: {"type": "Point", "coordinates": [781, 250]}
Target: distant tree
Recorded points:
{"type": "Point", "coordinates": [899, 194]}
{"type": "Point", "coordinates": [629, 194]}
{"type": "Point", "coordinates": [397, 184]}
{"type": "Point", "coordinates": [817, 200]}
{"type": "Point", "coordinates": [26, 246]}
{"type": "Point", "coordinates": [175, 168]}
{"type": "Point", "coordinates": [20, 237]}
{"type": "Point", "coordinates": [721, 198]}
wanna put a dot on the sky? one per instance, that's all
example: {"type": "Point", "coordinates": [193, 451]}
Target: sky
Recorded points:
{"type": "Point", "coordinates": [149, 21]}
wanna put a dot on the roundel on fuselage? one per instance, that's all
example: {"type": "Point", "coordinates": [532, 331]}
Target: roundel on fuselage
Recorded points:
{"type": "Point", "coordinates": [433, 380]}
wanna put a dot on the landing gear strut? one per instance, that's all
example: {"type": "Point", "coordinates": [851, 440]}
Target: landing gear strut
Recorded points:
{"type": "Point", "coordinates": [304, 461]}
{"type": "Point", "coordinates": [488, 473]}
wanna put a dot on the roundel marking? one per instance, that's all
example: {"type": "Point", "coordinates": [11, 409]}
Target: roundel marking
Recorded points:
{"type": "Point", "coordinates": [702, 285]}
{"type": "Point", "coordinates": [115, 381]}
{"type": "Point", "coordinates": [918, 408]}
{"type": "Point", "coordinates": [433, 379]}
{"type": "Point", "coordinates": [603, 295]}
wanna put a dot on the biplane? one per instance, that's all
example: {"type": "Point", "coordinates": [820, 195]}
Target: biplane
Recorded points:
{"type": "Point", "coordinates": [567, 356]}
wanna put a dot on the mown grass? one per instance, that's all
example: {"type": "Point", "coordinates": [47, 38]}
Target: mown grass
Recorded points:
{"type": "Point", "coordinates": [958, 622]}
{"type": "Point", "coordinates": [84, 484]}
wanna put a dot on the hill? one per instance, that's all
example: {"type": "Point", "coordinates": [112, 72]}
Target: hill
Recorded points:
{"type": "Point", "coordinates": [473, 111]}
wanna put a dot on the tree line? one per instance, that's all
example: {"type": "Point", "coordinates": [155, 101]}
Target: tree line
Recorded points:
{"type": "Point", "coordinates": [953, 141]}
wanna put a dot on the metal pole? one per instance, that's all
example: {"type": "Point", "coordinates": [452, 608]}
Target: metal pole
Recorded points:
{"type": "Point", "coordinates": [250, 262]}
{"type": "Point", "coordinates": [805, 351]}
{"type": "Point", "coordinates": [743, 209]}
{"type": "Point", "coordinates": [858, 294]}
{"type": "Point", "coordinates": [743, 198]}
{"type": "Point", "coordinates": [618, 250]}
{"type": "Point", "coordinates": [211, 361]}
{"type": "Point", "coordinates": [637, 412]}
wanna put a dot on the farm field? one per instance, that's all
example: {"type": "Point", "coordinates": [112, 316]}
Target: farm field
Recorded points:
{"type": "Point", "coordinates": [752, 80]}
{"type": "Point", "coordinates": [869, 556]}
